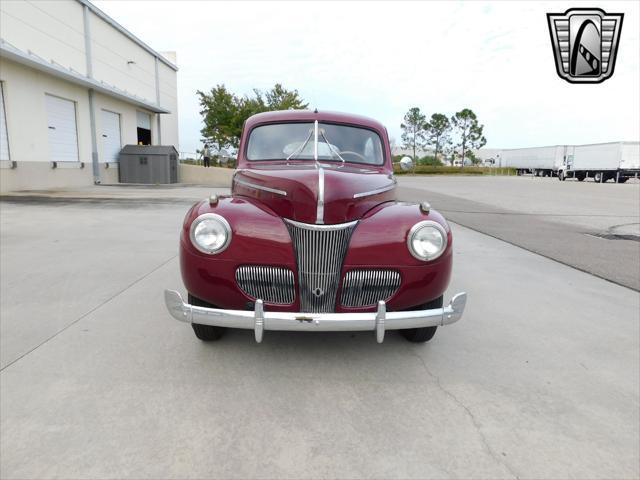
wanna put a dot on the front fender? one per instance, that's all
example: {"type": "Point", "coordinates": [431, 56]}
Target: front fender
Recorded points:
{"type": "Point", "coordinates": [258, 237]}
{"type": "Point", "coordinates": [380, 241]}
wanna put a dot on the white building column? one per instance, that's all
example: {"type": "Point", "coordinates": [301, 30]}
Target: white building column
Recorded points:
{"type": "Point", "coordinates": [92, 111]}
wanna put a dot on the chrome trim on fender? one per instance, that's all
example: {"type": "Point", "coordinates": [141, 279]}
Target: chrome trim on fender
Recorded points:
{"type": "Point", "coordinates": [259, 321]}
{"type": "Point", "coordinates": [260, 187]}
{"type": "Point", "coordinates": [320, 207]}
{"type": "Point", "coordinates": [376, 191]}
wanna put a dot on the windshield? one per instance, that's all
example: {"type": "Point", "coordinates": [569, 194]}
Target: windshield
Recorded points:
{"type": "Point", "coordinates": [296, 141]}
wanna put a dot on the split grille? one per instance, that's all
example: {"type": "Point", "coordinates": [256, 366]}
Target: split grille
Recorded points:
{"type": "Point", "coordinates": [320, 251]}
{"type": "Point", "coordinates": [270, 284]}
{"type": "Point", "coordinates": [363, 288]}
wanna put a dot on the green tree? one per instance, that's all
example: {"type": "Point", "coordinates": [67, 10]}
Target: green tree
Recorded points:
{"type": "Point", "coordinates": [413, 130]}
{"type": "Point", "coordinates": [438, 132]}
{"type": "Point", "coordinates": [224, 113]}
{"type": "Point", "coordinates": [469, 131]}
{"type": "Point", "coordinates": [279, 98]}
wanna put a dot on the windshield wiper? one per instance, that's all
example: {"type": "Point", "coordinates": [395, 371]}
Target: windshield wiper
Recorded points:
{"type": "Point", "coordinates": [301, 148]}
{"type": "Point", "coordinates": [331, 148]}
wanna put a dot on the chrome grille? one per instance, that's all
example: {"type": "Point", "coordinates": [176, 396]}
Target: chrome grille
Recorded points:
{"type": "Point", "coordinates": [363, 288]}
{"type": "Point", "coordinates": [320, 251]}
{"type": "Point", "coordinates": [270, 284]}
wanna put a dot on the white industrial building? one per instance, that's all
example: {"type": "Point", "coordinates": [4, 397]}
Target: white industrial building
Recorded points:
{"type": "Point", "coordinates": [75, 87]}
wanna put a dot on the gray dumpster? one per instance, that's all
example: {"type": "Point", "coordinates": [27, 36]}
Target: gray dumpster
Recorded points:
{"type": "Point", "coordinates": [149, 164]}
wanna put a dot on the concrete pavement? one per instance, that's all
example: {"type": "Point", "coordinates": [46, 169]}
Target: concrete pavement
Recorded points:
{"type": "Point", "coordinates": [592, 227]}
{"type": "Point", "coordinates": [99, 381]}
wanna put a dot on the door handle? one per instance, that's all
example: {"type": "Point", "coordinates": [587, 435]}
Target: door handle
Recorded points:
{"type": "Point", "coordinates": [52, 128]}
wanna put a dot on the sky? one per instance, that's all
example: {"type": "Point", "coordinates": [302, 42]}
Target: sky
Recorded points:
{"type": "Point", "coordinates": [381, 58]}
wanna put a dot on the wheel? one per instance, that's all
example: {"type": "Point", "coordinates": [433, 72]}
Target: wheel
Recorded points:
{"type": "Point", "coordinates": [581, 177]}
{"type": "Point", "coordinates": [623, 179]}
{"type": "Point", "coordinates": [206, 333]}
{"type": "Point", "coordinates": [561, 176]}
{"type": "Point", "coordinates": [421, 335]}
{"type": "Point", "coordinates": [597, 177]}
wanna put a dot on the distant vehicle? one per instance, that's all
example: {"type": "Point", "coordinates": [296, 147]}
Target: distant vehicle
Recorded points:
{"type": "Point", "coordinates": [616, 161]}
{"type": "Point", "coordinates": [313, 239]}
{"type": "Point", "coordinates": [538, 161]}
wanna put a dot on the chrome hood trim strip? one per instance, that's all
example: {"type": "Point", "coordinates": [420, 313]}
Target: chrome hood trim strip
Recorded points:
{"type": "Point", "coordinates": [260, 187]}
{"type": "Point", "coordinates": [320, 206]}
{"type": "Point", "coordinates": [376, 191]}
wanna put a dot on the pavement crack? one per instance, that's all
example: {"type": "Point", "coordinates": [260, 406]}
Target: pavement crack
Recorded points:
{"type": "Point", "coordinates": [86, 314]}
{"type": "Point", "coordinates": [497, 458]}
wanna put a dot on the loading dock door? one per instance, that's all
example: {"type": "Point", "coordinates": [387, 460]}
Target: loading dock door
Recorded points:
{"type": "Point", "coordinates": [4, 138]}
{"type": "Point", "coordinates": [63, 135]}
{"type": "Point", "coordinates": [110, 136]}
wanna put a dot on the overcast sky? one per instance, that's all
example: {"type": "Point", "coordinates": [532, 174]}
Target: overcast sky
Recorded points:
{"type": "Point", "coordinates": [381, 58]}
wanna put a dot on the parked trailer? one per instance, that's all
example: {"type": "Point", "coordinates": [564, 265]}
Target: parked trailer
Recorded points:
{"type": "Point", "coordinates": [539, 161]}
{"type": "Point", "coordinates": [616, 161]}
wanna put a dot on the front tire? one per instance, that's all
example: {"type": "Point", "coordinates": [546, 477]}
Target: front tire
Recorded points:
{"type": "Point", "coordinates": [206, 333]}
{"type": "Point", "coordinates": [422, 335]}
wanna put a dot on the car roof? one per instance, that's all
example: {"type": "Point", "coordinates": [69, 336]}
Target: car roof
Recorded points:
{"type": "Point", "coordinates": [311, 115]}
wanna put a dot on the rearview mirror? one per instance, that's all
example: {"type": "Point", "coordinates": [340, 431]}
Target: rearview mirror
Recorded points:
{"type": "Point", "coordinates": [406, 163]}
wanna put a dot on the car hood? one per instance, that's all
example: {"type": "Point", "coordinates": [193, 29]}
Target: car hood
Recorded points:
{"type": "Point", "coordinates": [297, 191]}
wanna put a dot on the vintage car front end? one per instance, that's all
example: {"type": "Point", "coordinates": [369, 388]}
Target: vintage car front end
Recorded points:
{"type": "Point", "coordinates": [315, 244]}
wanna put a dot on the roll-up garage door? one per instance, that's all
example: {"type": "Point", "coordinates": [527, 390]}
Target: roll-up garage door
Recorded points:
{"type": "Point", "coordinates": [110, 136]}
{"type": "Point", "coordinates": [4, 138]}
{"type": "Point", "coordinates": [63, 135]}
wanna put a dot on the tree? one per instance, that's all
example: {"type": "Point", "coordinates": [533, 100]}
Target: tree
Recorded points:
{"type": "Point", "coordinates": [224, 113]}
{"type": "Point", "coordinates": [438, 132]}
{"type": "Point", "coordinates": [465, 123]}
{"type": "Point", "coordinates": [449, 153]}
{"type": "Point", "coordinates": [413, 130]}
{"type": "Point", "coordinates": [278, 98]}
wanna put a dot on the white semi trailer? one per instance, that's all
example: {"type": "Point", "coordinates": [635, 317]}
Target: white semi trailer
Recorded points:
{"type": "Point", "coordinates": [616, 161]}
{"type": "Point", "coordinates": [539, 161]}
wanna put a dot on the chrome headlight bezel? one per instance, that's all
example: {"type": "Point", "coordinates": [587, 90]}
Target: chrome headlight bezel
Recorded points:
{"type": "Point", "coordinates": [210, 217]}
{"type": "Point", "coordinates": [419, 226]}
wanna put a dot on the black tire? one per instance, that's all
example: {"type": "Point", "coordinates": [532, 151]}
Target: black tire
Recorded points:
{"type": "Point", "coordinates": [421, 335]}
{"type": "Point", "coordinates": [561, 176]}
{"type": "Point", "coordinates": [623, 179]}
{"type": "Point", "coordinates": [597, 177]}
{"type": "Point", "coordinates": [206, 333]}
{"type": "Point", "coordinates": [581, 177]}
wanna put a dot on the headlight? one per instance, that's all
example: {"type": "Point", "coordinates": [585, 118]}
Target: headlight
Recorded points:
{"type": "Point", "coordinates": [210, 233]}
{"type": "Point", "coordinates": [427, 240]}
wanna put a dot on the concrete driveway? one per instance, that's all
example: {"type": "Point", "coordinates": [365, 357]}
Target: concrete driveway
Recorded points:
{"type": "Point", "coordinates": [590, 226]}
{"type": "Point", "coordinates": [540, 379]}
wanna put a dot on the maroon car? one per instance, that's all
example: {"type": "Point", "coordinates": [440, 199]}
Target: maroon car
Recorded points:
{"type": "Point", "coordinates": [313, 239]}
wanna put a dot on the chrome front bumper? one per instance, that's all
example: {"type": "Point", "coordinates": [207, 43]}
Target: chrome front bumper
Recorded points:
{"type": "Point", "coordinates": [258, 320]}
